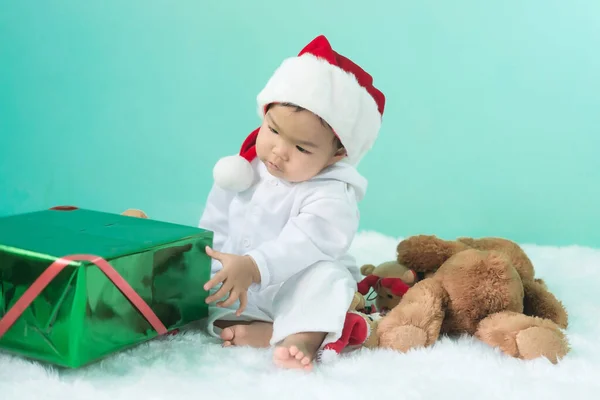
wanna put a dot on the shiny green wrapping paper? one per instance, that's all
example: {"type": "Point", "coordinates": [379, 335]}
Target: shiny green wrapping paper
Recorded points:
{"type": "Point", "coordinates": [81, 317]}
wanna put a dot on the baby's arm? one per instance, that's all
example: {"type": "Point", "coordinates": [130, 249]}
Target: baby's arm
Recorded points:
{"type": "Point", "coordinates": [215, 216]}
{"type": "Point", "coordinates": [322, 231]}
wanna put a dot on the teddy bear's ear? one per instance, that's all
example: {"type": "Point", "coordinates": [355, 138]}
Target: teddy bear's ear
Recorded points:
{"type": "Point", "coordinates": [367, 269]}
{"type": "Point", "coordinates": [425, 253]}
{"type": "Point", "coordinates": [409, 277]}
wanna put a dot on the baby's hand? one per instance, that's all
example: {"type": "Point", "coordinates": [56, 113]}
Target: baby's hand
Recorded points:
{"type": "Point", "coordinates": [238, 273]}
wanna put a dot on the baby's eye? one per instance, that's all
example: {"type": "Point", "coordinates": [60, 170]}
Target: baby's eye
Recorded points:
{"type": "Point", "coordinates": [274, 131]}
{"type": "Point", "coordinates": [302, 150]}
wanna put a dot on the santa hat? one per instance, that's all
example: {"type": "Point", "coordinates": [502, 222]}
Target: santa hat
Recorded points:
{"type": "Point", "coordinates": [326, 83]}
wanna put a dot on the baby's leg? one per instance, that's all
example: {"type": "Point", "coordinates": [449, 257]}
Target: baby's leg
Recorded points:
{"type": "Point", "coordinates": [309, 311]}
{"type": "Point", "coordinates": [245, 333]}
{"type": "Point", "coordinates": [253, 328]}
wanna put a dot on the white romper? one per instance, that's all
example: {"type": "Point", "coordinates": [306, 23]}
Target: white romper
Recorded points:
{"type": "Point", "coordinates": [299, 235]}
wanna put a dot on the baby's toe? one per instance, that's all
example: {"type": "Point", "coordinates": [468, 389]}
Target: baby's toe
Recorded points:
{"type": "Point", "coordinates": [227, 334]}
{"type": "Point", "coordinates": [281, 353]}
{"type": "Point", "coordinates": [293, 350]}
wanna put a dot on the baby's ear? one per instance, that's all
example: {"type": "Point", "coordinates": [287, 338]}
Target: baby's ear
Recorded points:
{"type": "Point", "coordinates": [337, 157]}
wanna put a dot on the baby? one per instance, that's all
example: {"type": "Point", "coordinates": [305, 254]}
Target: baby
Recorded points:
{"type": "Point", "coordinates": [284, 210]}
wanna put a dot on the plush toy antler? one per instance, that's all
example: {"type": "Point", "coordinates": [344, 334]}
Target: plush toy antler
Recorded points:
{"type": "Point", "coordinates": [367, 283]}
{"type": "Point", "coordinates": [396, 285]}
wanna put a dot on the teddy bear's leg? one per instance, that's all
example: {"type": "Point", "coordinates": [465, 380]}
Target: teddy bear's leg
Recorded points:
{"type": "Point", "coordinates": [539, 302]}
{"type": "Point", "coordinates": [416, 321]}
{"type": "Point", "coordinates": [523, 336]}
{"type": "Point", "coordinates": [518, 257]}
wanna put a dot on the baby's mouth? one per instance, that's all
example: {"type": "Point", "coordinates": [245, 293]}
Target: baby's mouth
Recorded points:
{"type": "Point", "coordinates": [273, 166]}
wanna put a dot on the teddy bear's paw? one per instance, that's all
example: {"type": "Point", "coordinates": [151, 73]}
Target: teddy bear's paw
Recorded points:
{"type": "Point", "coordinates": [542, 303]}
{"type": "Point", "coordinates": [522, 336]}
{"type": "Point", "coordinates": [403, 338]}
{"type": "Point", "coordinates": [539, 341]}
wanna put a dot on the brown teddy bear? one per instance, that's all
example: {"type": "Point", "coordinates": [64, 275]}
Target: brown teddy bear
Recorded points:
{"type": "Point", "coordinates": [482, 287]}
{"type": "Point", "coordinates": [389, 281]}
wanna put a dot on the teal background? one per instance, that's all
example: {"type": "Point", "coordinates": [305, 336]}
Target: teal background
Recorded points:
{"type": "Point", "coordinates": [491, 125]}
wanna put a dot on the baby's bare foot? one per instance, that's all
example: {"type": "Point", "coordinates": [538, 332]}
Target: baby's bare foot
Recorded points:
{"type": "Point", "coordinates": [256, 334]}
{"type": "Point", "coordinates": [292, 357]}
{"type": "Point", "coordinates": [298, 350]}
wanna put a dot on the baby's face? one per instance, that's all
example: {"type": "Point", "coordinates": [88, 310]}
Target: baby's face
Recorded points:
{"type": "Point", "coordinates": [295, 145]}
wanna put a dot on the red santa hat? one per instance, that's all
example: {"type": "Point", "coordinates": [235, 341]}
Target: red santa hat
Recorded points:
{"type": "Point", "coordinates": [326, 83]}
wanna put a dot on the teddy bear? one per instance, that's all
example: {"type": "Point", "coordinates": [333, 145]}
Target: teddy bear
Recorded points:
{"type": "Point", "coordinates": [482, 287]}
{"type": "Point", "coordinates": [389, 281]}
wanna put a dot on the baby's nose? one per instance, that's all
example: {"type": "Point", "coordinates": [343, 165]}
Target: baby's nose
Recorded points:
{"type": "Point", "coordinates": [280, 152]}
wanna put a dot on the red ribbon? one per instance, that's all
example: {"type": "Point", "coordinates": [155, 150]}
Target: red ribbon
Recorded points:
{"type": "Point", "coordinates": [54, 269]}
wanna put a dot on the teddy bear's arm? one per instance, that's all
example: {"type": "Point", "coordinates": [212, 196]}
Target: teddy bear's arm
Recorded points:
{"type": "Point", "coordinates": [426, 253]}
{"type": "Point", "coordinates": [539, 302]}
{"type": "Point", "coordinates": [417, 319]}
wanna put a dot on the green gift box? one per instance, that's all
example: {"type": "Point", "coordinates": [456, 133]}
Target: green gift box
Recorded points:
{"type": "Point", "coordinates": [79, 285]}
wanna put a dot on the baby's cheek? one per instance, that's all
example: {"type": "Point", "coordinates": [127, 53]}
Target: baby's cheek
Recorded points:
{"type": "Point", "coordinates": [302, 170]}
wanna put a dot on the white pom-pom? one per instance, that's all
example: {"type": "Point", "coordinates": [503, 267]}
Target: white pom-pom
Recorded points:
{"type": "Point", "coordinates": [327, 356]}
{"type": "Point", "coordinates": [233, 173]}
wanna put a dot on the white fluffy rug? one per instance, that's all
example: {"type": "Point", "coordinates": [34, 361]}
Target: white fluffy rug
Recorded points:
{"type": "Point", "coordinates": [192, 366]}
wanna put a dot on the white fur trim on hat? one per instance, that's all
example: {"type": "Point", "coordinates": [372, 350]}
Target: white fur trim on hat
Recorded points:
{"type": "Point", "coordinates": [233, 173]}
{"type": "Point", "coordinates": [331, 93]}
